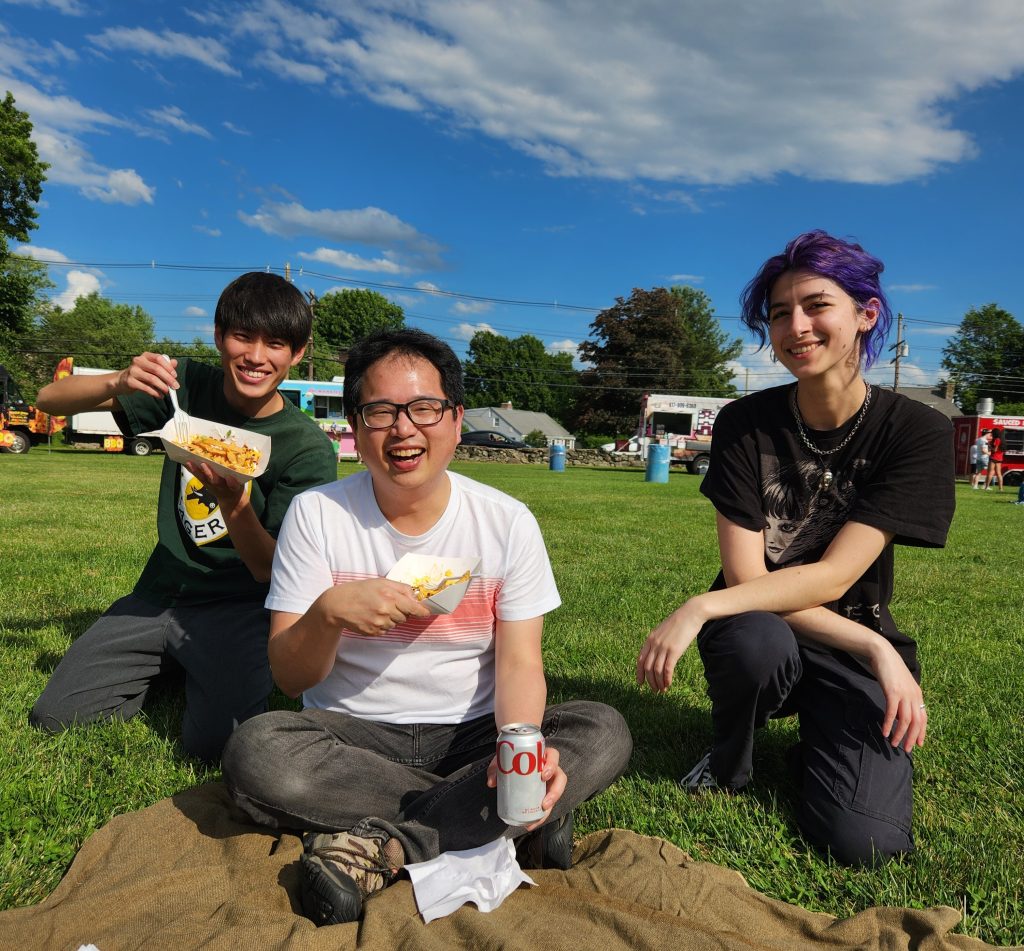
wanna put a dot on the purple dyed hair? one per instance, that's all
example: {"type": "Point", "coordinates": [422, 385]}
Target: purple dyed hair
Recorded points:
{"type": "Point", "coordinates": [846, 263]}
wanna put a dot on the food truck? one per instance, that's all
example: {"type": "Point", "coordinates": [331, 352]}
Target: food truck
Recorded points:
{"type": "Point", "coordinates": [966, 430]}
{"type": "Point", "coordinates": [682, 422]}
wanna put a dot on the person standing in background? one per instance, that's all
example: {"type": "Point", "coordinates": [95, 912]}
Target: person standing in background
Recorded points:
{"type": "Point", "coordinates": [995, 459]}
{"type": "Point", "coordinates": [979, 458]}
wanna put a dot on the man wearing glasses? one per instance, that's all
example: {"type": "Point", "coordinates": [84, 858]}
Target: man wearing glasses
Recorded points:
{"type": "Point", "coordinates": [391, 761]}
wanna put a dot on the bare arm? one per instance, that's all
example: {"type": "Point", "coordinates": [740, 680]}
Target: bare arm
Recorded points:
{"type": "Point", "coordinates": [748, 579]}
{"type": "Point", "coordinates": [520, 695]}
{"type": "Point", "coordinates": [148, 373]}
{"type": "Point", "coordinates": [302, 647]}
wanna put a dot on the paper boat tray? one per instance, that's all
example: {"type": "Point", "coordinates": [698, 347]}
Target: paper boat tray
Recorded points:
{"type": "Point", "coordinates": [411, 569]}
{"type": "Point", "coordinates": [206, 427]}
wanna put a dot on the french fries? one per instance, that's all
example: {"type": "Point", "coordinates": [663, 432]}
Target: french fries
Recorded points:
{"type": "Point", "coordinates": [427, 586]}
{"type": "Point", "coordinates": [225, 452]}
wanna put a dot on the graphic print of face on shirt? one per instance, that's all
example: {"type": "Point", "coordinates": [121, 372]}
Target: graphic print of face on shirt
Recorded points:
{"type": "Point", "coordinates": [801, 519]}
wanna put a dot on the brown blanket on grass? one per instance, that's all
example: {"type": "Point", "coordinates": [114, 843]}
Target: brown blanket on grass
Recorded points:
{"type": "Point", "coordinates": [186, 873]}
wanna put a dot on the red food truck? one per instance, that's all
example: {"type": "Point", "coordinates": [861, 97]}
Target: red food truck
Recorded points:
{"type": "Point", "coordinates": [966, 429]}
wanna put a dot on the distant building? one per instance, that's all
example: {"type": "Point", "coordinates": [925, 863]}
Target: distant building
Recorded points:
{"type": "Point", "coordinates": [937, 397]}
{"type": "Point", "coordinates": [518, 424]}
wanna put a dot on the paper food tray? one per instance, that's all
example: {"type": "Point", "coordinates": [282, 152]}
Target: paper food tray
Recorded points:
{"type": "Point", "coordinates": [206, 427]}
{"type": "Point", "coordinates": [412, 569]}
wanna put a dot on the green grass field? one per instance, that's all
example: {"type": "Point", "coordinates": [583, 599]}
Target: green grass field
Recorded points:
{"type": "Point", "coordinates": [76, 527]}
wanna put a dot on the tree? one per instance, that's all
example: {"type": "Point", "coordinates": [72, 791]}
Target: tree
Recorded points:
{"type": "Point", "coordinates": [520, 371]}
{"type": "Point", "coordinates": [21, 175]}
{"type": "Point", "coordinates": [95, 331]}
{"type": "Point", "coordinates": [659, 340]}
{"type": "Point", "coordinates": [197, 350]}
{"type": "Point", "coordinates": [22, 283]}
{"type": "Point", "coordinates": [984, 357]}
{"type": "Point", "coordinates": [340, 318]}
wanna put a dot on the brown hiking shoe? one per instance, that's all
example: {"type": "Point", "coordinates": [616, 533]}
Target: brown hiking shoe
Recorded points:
{"type": "Point", "coordinates": [340, 870]}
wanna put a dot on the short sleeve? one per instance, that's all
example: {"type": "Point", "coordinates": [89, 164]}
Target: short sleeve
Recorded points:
{"type": "Point", "coordinates": [732, 480]}
{"type": "Point", "coordinates": [301, 572]}
{"type": "Point", "coordinates": [528, 589]}
{"type": "Point", "coordinates": [912, 493]}
{"type": "Point", "coordinates": [312, 466]}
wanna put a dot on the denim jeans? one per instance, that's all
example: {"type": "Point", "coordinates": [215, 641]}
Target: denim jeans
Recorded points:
{"type": "Point", "coordinates": [424, 784]}
{"type": "Point", "coordinates": [855, 790]}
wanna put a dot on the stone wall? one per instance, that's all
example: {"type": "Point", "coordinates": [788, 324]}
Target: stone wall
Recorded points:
{"type": "Point", "coordinates": [539, 457]}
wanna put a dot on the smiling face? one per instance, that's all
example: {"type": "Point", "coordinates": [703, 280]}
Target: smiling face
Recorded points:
{"type": "Point", "coordinates": [408, 463]}
{"type": "Point", "coordinates": [815, 326]}
{"type": "Point", "coordinates": [254, 366]}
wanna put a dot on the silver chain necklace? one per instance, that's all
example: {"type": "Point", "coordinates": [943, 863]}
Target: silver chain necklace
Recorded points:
{"type": "Point", "coordinates": [826, 473]}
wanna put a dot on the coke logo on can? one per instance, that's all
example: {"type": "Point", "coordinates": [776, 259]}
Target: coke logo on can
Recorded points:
{"type": "Point", "coordinates": [521, 788]}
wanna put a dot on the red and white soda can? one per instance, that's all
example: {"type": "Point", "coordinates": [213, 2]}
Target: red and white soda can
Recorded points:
{"type": "Point", "coordinates": [521, 788]}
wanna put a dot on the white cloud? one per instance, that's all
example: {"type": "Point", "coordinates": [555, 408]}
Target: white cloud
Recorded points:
{"type": "Point", "coordinates": [58, 121]}
{"type": "Point", "coordinates": [167, 45]}
{"type": "Point", "coordinates": [347, 261]}
{"type": "Point", "coordinates": [912, 288]}
{"type": "Point", "coordinates": [70, 7]}
{"type": "Point", "coordinates": [466, 331]}
{"type": "Point", "coordinates": [79, 284]}
{"type": "Point", "coordinates": [45, 255]}
{"type": "Point", "coordinates": [404, 247]}
{"type": "Point", "coordinates": [210, 232]}
{"type": "Point", "coordinates": [231, 127]}
{"type": "Point", "coordinates": [464, 307]}
{"type": "Point", "coordinates": [685, 278]}
{"type": "Point", "coordinates": [175, 117]}
{"type": "Point", "coordinates": [301, 72]}
{"type": "Point", "coordinates": [675, 91]}
{"type": "Point", "coordinates": [122, 186]}
{"type": "Point", "coordinates": [427, 287]}
{"type": "Point", "coordinates": [935, 331]}
{"type": "Point", "coordinates": [883, 374]}
{"type": "Point", "coordinates": [563, 346]}
{"type": "Point", "coordinates": [193, 312]}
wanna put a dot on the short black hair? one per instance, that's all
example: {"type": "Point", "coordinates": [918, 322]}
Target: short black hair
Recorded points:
{"type": "Point", "coordinates": [265, 304]}
{"type": "Point", "coordinates": [407, 342]}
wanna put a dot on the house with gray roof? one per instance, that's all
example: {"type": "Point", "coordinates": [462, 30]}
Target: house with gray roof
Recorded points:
{"type": "Point", "coordinates": [518, 423]}
{"type": "Point", "coordinates": [937, 397]}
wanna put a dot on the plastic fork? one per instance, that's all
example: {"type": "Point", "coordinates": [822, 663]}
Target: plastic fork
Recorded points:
{"type": "Point", "coordinates": [181, 421]}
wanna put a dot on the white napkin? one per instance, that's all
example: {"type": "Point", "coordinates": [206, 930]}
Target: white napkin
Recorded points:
{"type": "Point", "coordinates": [486, 876]}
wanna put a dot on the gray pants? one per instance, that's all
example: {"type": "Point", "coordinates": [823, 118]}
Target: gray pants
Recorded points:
{"type": "Point", "coordinates": [424, 784]}
{"type": "Point", "coordinates": [855, 790]}
{"type": "Point", "coordinates": [106, 673]}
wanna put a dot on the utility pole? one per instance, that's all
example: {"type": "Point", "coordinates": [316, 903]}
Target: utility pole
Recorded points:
{"type": "Point", "coordinates": [902, 350]}
{"type": "Point", "coordinates": [309, 346]}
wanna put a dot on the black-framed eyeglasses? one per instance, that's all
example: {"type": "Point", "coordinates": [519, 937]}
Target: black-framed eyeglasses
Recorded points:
{"type": "Point", "coordinates": [425, 411]}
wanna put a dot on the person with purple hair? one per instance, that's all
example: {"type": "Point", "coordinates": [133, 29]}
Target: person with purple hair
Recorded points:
{"type": "Point", "coordinates": [813, 483]}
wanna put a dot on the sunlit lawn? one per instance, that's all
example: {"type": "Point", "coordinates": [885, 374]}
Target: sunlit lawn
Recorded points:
{"type": "Point", "coordinates": [76, 527]}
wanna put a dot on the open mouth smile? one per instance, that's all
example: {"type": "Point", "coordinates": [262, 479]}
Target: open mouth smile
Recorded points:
{"type": "Point", "coordinates": [801, 349]}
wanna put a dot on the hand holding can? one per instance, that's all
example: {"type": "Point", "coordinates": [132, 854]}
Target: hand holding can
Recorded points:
{"type": "Point", "coordinates": [521, 785]}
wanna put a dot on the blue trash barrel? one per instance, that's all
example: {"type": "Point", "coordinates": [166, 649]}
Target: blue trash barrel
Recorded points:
{"type": "Point", "coordinates": [556, 458]}
{"type": "Point", "coordinates": [657, 463]}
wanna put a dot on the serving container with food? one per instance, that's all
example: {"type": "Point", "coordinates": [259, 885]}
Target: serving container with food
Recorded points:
{"type": "Point", "coordinates": [229, 451]}
{"type": "Point", "coordinates": [439, 582]}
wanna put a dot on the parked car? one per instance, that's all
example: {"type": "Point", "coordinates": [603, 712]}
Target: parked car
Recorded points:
{"type": "Point", "coordinates": [492, 439]}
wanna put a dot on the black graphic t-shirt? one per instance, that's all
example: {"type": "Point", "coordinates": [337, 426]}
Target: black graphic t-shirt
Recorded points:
{"type": "Point", "coordinates": [194, 560]}
{"type": "Point", "coordinates": [895, 474]}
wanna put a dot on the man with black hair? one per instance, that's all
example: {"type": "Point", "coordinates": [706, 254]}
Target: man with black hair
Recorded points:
{"type": "Point", "coordinates": [392, 760]}
{"type": "Point", "coordinates": [199, 601]}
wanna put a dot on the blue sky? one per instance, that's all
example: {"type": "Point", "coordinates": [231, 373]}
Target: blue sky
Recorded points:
{"type": "Point", "coordinates": [541, 151]}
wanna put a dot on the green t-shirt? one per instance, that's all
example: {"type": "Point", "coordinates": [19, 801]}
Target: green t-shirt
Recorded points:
{"type": "Point", "coordinates": [194, 560]}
